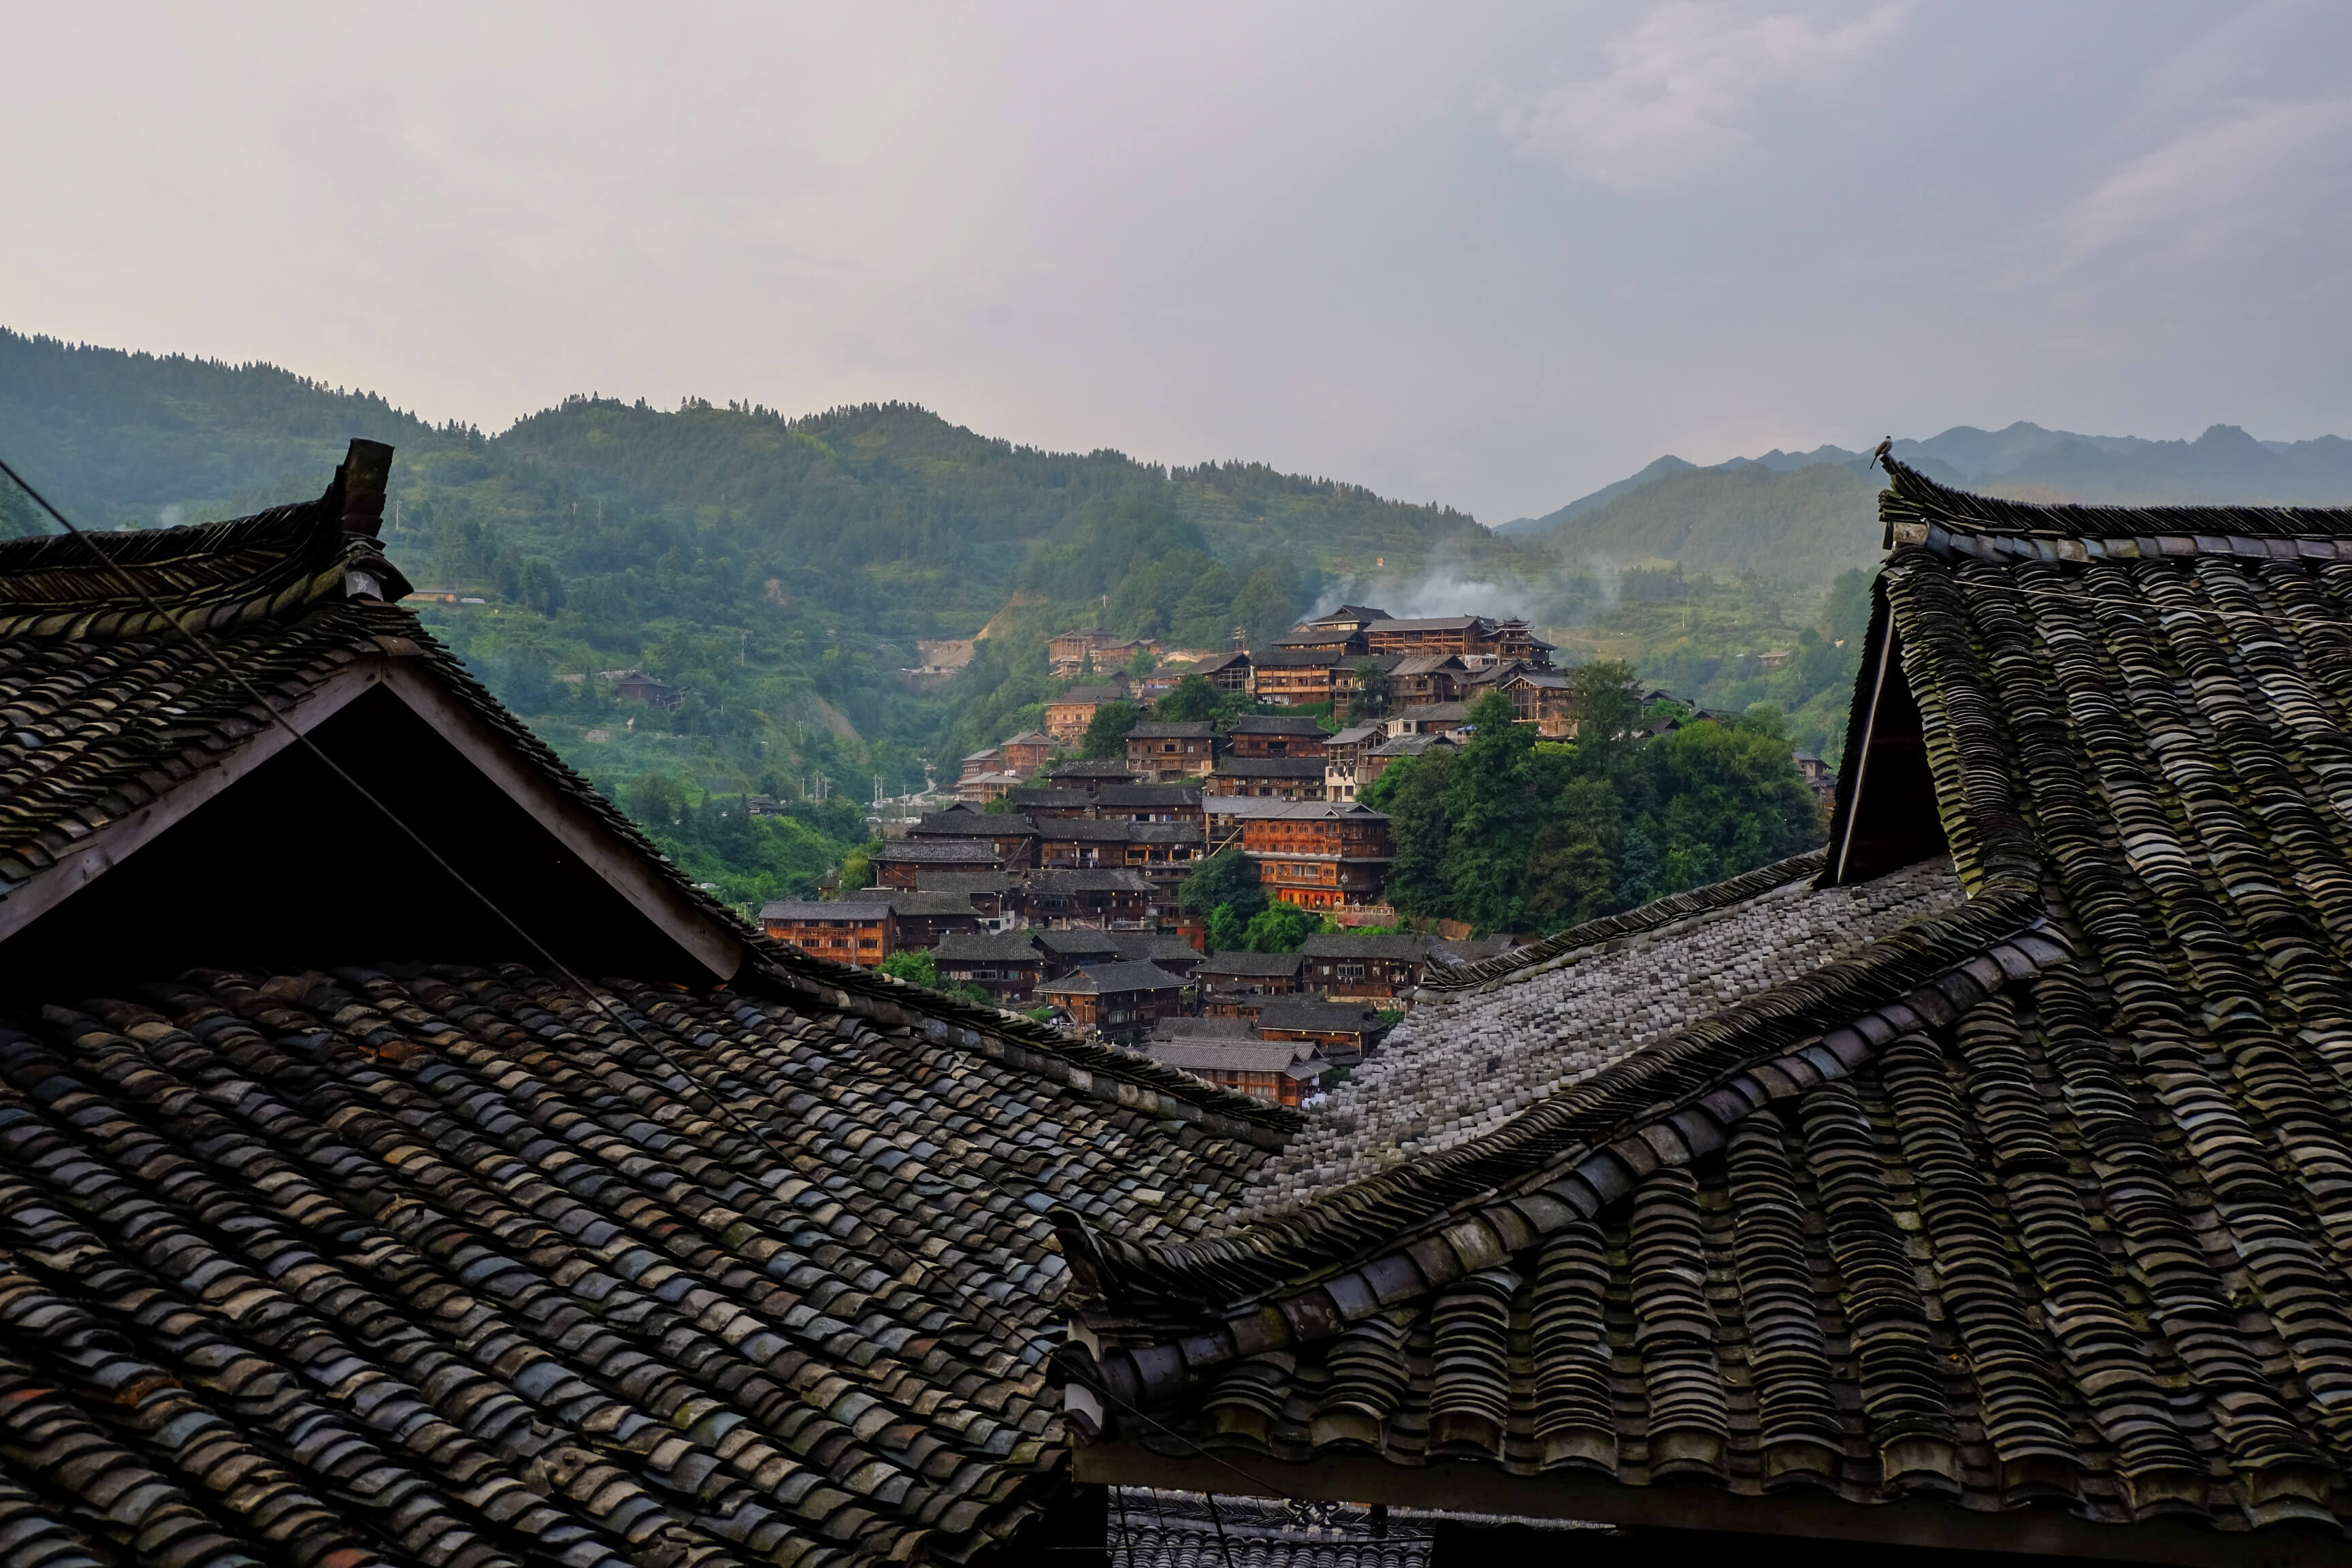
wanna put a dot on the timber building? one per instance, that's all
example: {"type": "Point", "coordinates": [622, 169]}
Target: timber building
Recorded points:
{"type": "Point", "coordinates": [1977, 1183]}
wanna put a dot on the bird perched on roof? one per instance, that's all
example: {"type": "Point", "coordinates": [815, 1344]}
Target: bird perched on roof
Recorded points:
{"type": "Point", "coordinates": [1884, 448]}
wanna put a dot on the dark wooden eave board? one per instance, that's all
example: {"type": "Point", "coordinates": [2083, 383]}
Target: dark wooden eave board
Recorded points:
{"type": "Point", "coordinates": [569, 822]}
{"type": "Point", "coordinates": [1905, 1523]}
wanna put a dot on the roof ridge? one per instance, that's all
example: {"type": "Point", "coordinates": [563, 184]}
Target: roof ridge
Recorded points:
{"type": "Point", "coordinates": [1912, 502]}
{"type": "Point", "coordinates": [1713, 897]}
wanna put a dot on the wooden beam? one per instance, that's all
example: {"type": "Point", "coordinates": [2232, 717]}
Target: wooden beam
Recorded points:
{"type": "Point", "coordinates": [1462, 1486]}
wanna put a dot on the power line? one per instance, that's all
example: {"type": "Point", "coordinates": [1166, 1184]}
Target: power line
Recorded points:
{"type": "Point", "coordinates": [140, 591]}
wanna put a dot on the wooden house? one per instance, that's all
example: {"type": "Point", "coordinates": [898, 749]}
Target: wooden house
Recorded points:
{"type": "Point", "coordinates": [1347, 1031]}
{"type": "Point", "coordinates": [852, 930]}
{"type": "Point", "coordinates": [1237, 985]}
{"type": "Point", "coordinates": [1270, 778]}
{"type": "Point", "coordinates": [1288, 1072]}
{"type": "Point", "coordinates": [1170, 751]}
{"type": "Point", "coordinates": [1008, 966]}
{"type": "Point", "coordinates": [1105, 900]}
{"type": "Point", "coordinates": [1122, 999]}
{"type": "Point", "coordinates": [1069, 714]}
{"type": "Point", "coordinates": [1011, 839]}
{"type": "Point", "coordinates": [1348, 966]}
{"type": "Point", "coordinates": [1275, 735]}
{"type": "Point", "coordinates": [1324, 854]}
{"type": "Point", "coordinates": [1293, 678]}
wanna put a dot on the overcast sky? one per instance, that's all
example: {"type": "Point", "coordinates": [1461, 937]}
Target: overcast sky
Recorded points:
{"type": "Point", "coordinates": [1490, 254]}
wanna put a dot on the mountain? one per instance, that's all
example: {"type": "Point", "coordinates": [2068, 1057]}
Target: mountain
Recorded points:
{"type": "Point", "coordinates": [1522, 526]}
{"type": "Point", "coordinates": [1802, 526]}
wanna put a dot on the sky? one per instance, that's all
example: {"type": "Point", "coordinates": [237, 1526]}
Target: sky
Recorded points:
{"type": "Point", "coordinates": [1491, 255]}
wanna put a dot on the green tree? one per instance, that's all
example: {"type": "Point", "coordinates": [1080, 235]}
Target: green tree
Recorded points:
{"type": "Point", "coordinates": [1107, 730]}
{"type": "Point", "coordinates": [1281, 928]}
{"type": "Point", "coordinates": [914, 966]}
{"type": "Point", "coordinates": [1227, 880]}
{"type": "Point", "coordinates": [857, 868]}
{"type": "Point", "coordinates": [1228, 930]}
{"type": "Point", "coordinates": [1193, 701]}
{"type": "Point", "coordinates": [1371, 686]}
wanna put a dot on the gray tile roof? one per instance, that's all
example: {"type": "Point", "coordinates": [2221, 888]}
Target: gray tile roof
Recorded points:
{"type": "Point", "coordinates": [989, 947]}
{"type": "Point", "coordinates": [1104, 979]}
{"type": "Point", "coordinates": [1252, 963]}
{"type": "Point", "coordinates": [936, 851]}
{"type": "Point", "coordinates": [1314, 1013]}
{"type": "Point", "coordinates": [1277, 725]}
{"type": "Point", "coordinates": [1158, 730]}
{"type": "Point", "coordinates": [1270, 768]}
{"type": "Point", "coordinates": [1354, 944]}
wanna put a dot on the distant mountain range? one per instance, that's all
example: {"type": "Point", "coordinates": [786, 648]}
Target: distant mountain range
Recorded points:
{"type": "Point", "coordinates": [2225, 464]}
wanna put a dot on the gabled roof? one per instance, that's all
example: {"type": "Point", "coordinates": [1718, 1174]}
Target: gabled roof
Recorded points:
{"type": "Point", "coordinates": [446, 1262]}
{"type": "Point", "coordinates": [1131, 795]}
{"type": "Point", "coordinates": [1060, 879]}
{"type": "Point", "coordinates": [1377, 944]}
{"type": "Point", "coordinates": [1434, 712]}
{"type": "Point", "coordinates": [1277, 725]}
{"type": "Point", "coordinates": [1098, 695]}
{"type": "Point", "coordinates": [1216, 662]}
{"type": "Point", "coordinates": [1299, 658]}
{"type": "Point", "coordinates": [1104, 979]}
{"type": "Point", "coordinates": [1429, 664]}
{"type": "Point", "coordinates": [1068, 943]}
{"type": "Point", "coordinates": [960, 851]}
{"type": "Point", "coordinates": [1159, 947]}
{"type": "Point", "coordinates": [1315, 1012]}
{"type": "Point", "coordinates": [947, 879]}
{"type": "Point", "coordinates": [1920, 1210]}
{"type": "Point", "coordinates": [1049, 797]}
{"type": "Point", "coordinates": [1206, 1053]}
{"type": "Point", "coordinates": [854, 907]}
{"type": "Point", "coordinates": [989, 947]}
{"type": "Point", "coordinates": [1431, 623]}
{"type": "Point", "coordinates": [1030, 738]}
{"type": "Point", "coordinates": [1251, 964]}
{"type": "Point", "coordinates": [971, 823]}
{"type": "Point", "coordinates": [1092, 768]}
{"type": "Point", "coordinates": [1233, 767]}
{"type": "Point", "coordinates": [1155, 730]}
{"type": "Point", "coordinates": [1354, 735]}
{"type": "Point", "coordinates": [1409, 745]}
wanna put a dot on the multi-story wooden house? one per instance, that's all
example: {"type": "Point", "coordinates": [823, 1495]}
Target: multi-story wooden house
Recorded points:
{"type": "Point", "coordinates": [1341, 752]}
{"type": "Point", "coordinates": [1025, 753]}
{"type": "Point", "coordinates": [1288, 1072]}
{"type": "Point", "coordinates": [1422, 678]}
{"type": "Point", "coordinates": [1273, 778]}
{"type": "Point", "coordinates": [1122, 999]}
{"type": "Point", "coordinates": [1008, 966]}
{"type": "Point", "coordinates": [1168, 750]}
{"type": "Point", "coordinates": [1107, 900]}
{"type": "Point", "coordinates": [1345, 1032]}
{"type": "Point", "coordinates": [1225, 671]}
{"type": "Point", "coordinates": [1348, 966]}
{"type": "Point", "coordinates": [1321, 855]}
{"type": "Point", "coordinates": [919, 919]}
{"type": "Point", "coordinates": [1012, 838]}
{"type": "Point", "coordinates": [1374, 761]}
{"type": "Point", "coordinates": [995, 896]}
{"type": "Point", "coordinates": [900, 861]}
{"type": "Point", "coordinates": [1069, 714]}
{"type": "Point", "coordinates": [1292, 678]}
{"type": "Point", "coordinates": [1275, 735]}
{"type": "Point", "coordinates": [1237, 985]}
{"type": "Point", "coordinates": [848, 930]}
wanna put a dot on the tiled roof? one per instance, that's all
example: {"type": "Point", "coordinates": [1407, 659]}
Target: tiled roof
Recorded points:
{"type": "Point", "coordinates": [928, 901]}
{"type": "Point", "coordinates": [1408, 746]}
{"type": "Point", "coordinates": [1098, 695]}
{"type": "Point", "coordinates": [1171, 730]}
{"type": "Point", "coordinates": [1036, 796]}
{"type": "Point", "coordinates": [1298, 659]}
{"type": "Point", "coordinates": [854, 907]}
{"type": "Point", "coordinates": [1270, 767]}
{"type": "Point", "coordinates": [936, 851]}
{"type": "Point", "coordinates": [1131, 795]}
{"type": "Point", "coordinates": [1159, 947]}
{"type": "Point", "coordinates": [1373, 945]}
{"type": "Point", "coordinates": [1059, 880]}
{"type": "Point", "coordinates": [1207, 1053]}
{"type": "Point", "coordinates": [1091, 768]}
{"type": "Point", "coordinates": [1138, 975]}
{"type": "Point", "coordinates": [1315, 1012]}
{"type": "Point", "coordinates": [966, 882]}
{"type": "Point", "coordinates": [1354, 735]}
{"type": "Point", "coordinates": [1430, 624]}
{"type": "Point", "coordinates": [1275, 724]}
{"type": "Point", "coordinates": [444, 1268]}
{"type": "Point", "coordinates": [1252, 963]}
{"type": "Point", "coordinates": [1079, 940]}
{"type": "Point", "coordinates": [1427, 663]}
{"type": "Point", "coordinates": [1221, 1028]}
{"type": "Point", "coordinates": [2031, 1199]}
{"type": "Point", "coordinates": [995, 947]}
{"type": "Point", "coordinates": [971, 823]}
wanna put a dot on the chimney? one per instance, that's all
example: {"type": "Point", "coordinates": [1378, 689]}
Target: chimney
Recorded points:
{"type": "Point", "coordinates": [365, 469]}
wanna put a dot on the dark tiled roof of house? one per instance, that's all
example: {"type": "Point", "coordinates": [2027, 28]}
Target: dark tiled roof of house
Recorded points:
{"type": "Point", "coordinates": [1129, 796]}
{"type": "Point", "coordinates": [936, 851]}
{"type": "Point", "coordinates": [1270, 767]}
{"type": "Point", "coordinates": [1085, 830]}
{"type": "Point", "coordinates": [989, 947]}
{"type": "Point", "coordinates": [1208, 1053]}
{"type": "Point", "coordinates": [1277, 725]}
{"type": "Point", "coordinates": [1065, 880]}
{"type": "Point", "coordinates": [1220, 1028]}
{"type": "Point", "coordinates": [1047, 797]}
{"type": "Point", "coordinates": [971, 823]}
{"type": "Point", "coordinates": [1251, 964]}
{"type": "Point", "coordinates": [1355, 944]}
{"type": "Point", "coordinates": [1159, 948]}
{"type": "Point", "coordinates": [923, 901]}
{"type": "Point", "coordinates": [415, 1269]}
{"type": "Point", "coordinates": [1408, 746]}
{"type": "Point", "coordinates": [1298, 659]}
{"type": "Point", "coordinates": [1315, 1013]}
{"type": "Point", "coordinates": [1096, 695]}
{"type": "Point", "coordinates": [950, 880]}
{"type": "Point", "coordinates": [1091, 768]}
{"type": "Point", "coordinates": [443, 1266]}
{"type": "Point", "coordinates": [1103, 979]}
{"type": "Point", "coordinates": [1216, 662]}
{"type": "Point", "coordinates": [1075, 941]}
{"type": "Point", "coordinates": [856, 906]}
{"type": "Point", "coordinates": [2031, 1199]}
{"type": "Point", "coordinates": [1173, 729]}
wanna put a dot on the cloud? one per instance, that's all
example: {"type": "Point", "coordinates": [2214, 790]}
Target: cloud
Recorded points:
{"type": "Point", "coordinates": [2261, 175]}
{"type": "Point", "coordinates": [1684, 89]}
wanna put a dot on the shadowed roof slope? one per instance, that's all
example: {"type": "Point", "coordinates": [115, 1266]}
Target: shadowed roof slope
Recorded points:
{"type": "Point", "coordinates": [433, 1260]}
{"type": "Point", "coordinates": [2023, 1228]}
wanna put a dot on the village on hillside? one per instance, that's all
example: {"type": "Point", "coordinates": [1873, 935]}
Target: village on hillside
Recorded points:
{"type": "Point", "coordinates": [1054, 882]}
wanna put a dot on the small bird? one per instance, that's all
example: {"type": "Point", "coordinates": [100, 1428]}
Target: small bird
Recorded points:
{"type": "Point", "coordinates": [1884, 448]}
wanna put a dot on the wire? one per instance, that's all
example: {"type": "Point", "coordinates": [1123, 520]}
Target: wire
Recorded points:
{"type": "Point", "coordinates": [139, 590]}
